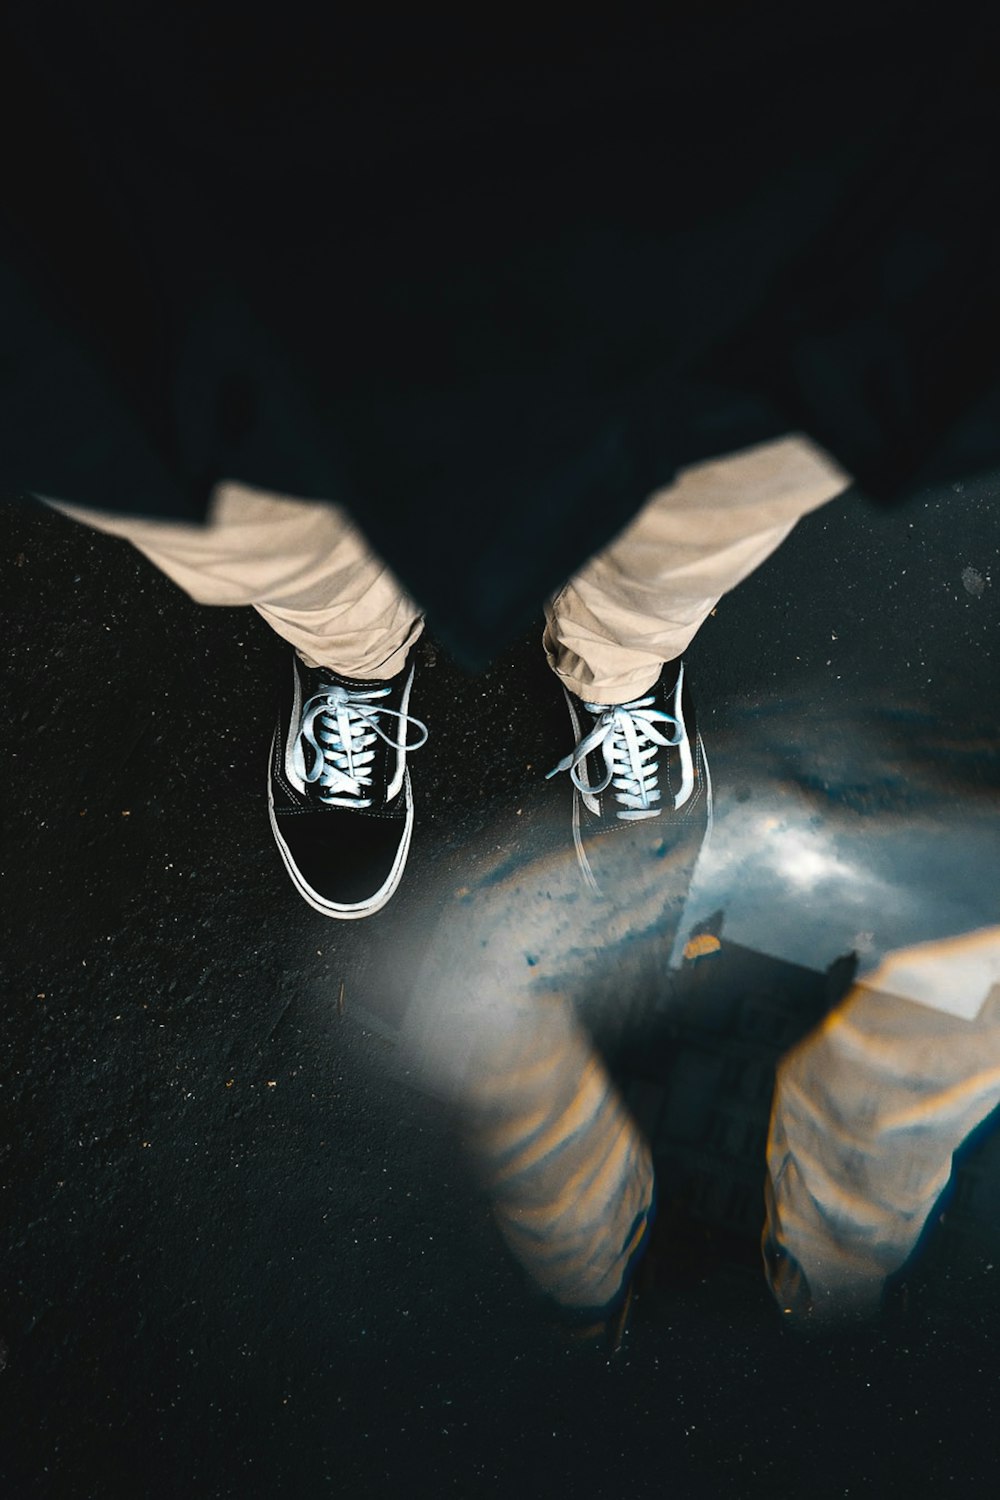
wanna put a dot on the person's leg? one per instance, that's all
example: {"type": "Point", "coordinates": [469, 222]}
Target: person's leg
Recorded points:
{"type": "Point", "coordinates": [641, 601]}
{"type": "Point", "coordinates": [303, 566]}
{"type": "Point", "coordinates": [339, 794]}
{"type": "Point", "coordinates": [867, 1114]}
{"type": "Point", "coordinates": [489, 1026]}
{"type": "Point", "coordinates": [569, 1174]}
{"type": "Point", "coordinates": [616, 633]}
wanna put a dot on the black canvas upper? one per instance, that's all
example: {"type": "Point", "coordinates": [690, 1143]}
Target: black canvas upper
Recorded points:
{"type": "Point", "coordinates": [490, 283]}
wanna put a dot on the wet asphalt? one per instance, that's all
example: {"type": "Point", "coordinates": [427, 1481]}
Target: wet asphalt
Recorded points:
{"type": "Point", "coordinates": [242, 1255]}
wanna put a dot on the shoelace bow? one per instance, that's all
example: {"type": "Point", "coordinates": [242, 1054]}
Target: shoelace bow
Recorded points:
{"type": "Point", "coordinates": [627, 736]}
{"type": "Point", "coordinates": [343, 741]}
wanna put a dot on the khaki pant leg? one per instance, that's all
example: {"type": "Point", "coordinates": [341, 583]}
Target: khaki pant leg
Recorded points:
{"type": "Point", "coordinates": [567, 1170]}
{"type": "Point", "coordinates": [640, 602]}
{"type": "Point", "coordinates": [868, 1112]}
{"type": "Point", "coordinates": [302, 564]}
{"type": "Point", "coordinates": [490, 1028]}
{"type": "Point", "coordinates": [570, 1175]}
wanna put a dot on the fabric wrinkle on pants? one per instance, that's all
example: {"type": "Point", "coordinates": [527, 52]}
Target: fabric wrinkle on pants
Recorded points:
{"type": "Point", "coordinates": [642, 600]}
{"type": "Point", "coordinates": [868, 1112]}
{"type": "Point", "coordinates": [309, 572]}
{"type": "Point", "coordinates": [569, 1174]}
{"type": "Point", "coordinates": [303, 565]}
{"type": "Point", "coordinates": [566, 1168]}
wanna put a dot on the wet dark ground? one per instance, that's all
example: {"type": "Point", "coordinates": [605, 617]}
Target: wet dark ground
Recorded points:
{"type": "Point", "coordinates": [241, 1256]}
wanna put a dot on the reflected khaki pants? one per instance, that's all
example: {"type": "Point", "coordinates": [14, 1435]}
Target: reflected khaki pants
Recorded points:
{"type": "Point", "coordinates": [306, 568]}
{"type": "Point", "coordinates": [868, 1112]}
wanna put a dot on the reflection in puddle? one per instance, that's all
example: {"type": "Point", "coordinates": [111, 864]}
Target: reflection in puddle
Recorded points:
{"type": "Point", "coordinates": [523, 962]}
{"type": "Point", "coordinates": [909, 855]}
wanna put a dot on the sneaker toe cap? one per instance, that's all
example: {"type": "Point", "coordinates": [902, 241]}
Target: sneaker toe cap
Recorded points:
{"type": "Point", "coordinates": [344, 860]}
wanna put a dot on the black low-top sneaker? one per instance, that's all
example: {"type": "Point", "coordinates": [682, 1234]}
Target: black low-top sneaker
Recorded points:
{"type": "Point", "coordinates": [640, 776]}
{"type": "Point", "coordinates": [339, 788]}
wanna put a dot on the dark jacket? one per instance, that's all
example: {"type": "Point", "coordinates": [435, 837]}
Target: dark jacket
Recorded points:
{"type": "Point", "coordinates": [490, 287]}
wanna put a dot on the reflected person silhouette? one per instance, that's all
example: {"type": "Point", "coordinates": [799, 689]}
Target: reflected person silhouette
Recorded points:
{"type": "Point", "coordinates": [867, 1113]}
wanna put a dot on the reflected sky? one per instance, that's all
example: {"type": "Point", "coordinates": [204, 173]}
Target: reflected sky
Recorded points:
{"type": "Point", "coordinates": [816, 851]}
{"type": "Point", "coordinates": [810, 873]}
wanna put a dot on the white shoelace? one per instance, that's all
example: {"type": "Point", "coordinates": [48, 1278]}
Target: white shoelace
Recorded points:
{"type": "Point", "coordinates": [627, 736]}
{"type": "Point", "coordinates": [340, 727]}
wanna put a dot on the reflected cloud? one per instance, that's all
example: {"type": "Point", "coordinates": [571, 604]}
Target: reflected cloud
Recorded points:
{"type": "Point", "coordinates": [801, 855]}
{"type": "Point", "coordinates": [799, 873]}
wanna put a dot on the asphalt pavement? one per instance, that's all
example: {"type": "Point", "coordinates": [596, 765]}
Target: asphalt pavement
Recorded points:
{"type": "Point", "coordinates": [242, 1255]}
